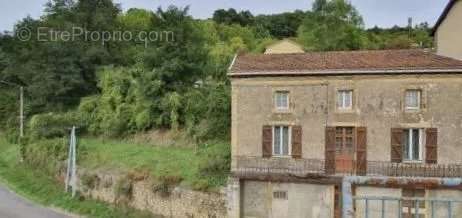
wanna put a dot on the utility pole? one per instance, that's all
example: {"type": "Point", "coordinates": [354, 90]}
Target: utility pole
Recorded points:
{"type": "Point", "coordinates": [21, 111]}
{"type": "Point", "coordinates": [409, 23]}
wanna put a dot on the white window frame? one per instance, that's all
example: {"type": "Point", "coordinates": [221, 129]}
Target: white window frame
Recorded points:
{"type": "Point", "coordinates": [419, 99]}
{"type": "Point", "coordinates": [411, 151]}
{"type": "Point", "coordinates": [276, 95]}
{"type": "Point", "coordinates": [343, 93]}
{"type": "Point", "coordinates": [281, 143]}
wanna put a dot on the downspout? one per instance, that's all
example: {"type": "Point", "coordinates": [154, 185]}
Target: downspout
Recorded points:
{"type": "Point", "coordinates": [348, 181]}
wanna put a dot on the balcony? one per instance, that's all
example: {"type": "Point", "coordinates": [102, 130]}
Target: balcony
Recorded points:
{"type": "Point", "coordinates": [248, 166]}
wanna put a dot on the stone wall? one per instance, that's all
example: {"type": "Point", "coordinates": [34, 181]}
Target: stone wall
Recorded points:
{"type": "Point", "coordinates": [175, 202]}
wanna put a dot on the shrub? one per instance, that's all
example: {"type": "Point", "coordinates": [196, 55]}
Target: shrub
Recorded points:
{"type": "Point", "coordinates": [53, 125]}
{"type": "Point", "coordinates": [47, 155]}
{"type": "Point", "coordinates": [215, 165]}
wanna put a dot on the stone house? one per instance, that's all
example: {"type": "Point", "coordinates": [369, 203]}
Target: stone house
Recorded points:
{"type": "Point", "coordinates": [316, 134]}
{"type": "Point", "coordinates": [447, 31]}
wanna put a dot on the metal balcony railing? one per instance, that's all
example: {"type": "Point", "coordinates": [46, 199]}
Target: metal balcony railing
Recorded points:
{"type": "Point", "coordinates": [258, 165]}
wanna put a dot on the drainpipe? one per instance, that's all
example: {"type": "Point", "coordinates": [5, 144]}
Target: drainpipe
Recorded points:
{"type": "Point", "coordinates": [348, 181]}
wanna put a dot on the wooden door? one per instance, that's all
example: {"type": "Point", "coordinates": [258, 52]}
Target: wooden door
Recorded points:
{"type": "Point", "coordinates": [344, 149]}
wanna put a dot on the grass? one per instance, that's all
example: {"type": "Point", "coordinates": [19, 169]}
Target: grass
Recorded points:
{"type": "Point", "coordinates": [44, 190]}
{"type": "Point", "coordinates": [185, 163]}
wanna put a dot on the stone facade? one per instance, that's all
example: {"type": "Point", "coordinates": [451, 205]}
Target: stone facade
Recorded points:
{"type": "Point", "coordinates": [300, 200]}
{"type": "Point", "coordinates": [377, 105]}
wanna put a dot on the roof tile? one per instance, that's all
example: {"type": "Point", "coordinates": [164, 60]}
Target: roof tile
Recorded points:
{"type": "Point", "coordinates": [375, 60]}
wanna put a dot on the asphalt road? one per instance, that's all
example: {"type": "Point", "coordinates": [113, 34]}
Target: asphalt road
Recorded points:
{"type": "Point", "coordinates": [14, 206]}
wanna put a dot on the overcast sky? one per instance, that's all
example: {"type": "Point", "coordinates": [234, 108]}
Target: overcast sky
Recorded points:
{"type": "Point", "coordinates": [383, 13]}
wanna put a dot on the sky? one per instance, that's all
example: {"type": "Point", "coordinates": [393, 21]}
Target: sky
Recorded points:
{"type": "Point", "coordinates": [383, 13]}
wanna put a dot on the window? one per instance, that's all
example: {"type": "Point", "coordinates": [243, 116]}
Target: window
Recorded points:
{"type": "Point", "coordinates": [345, 99]}
{"type": "Point", "coordinates": [280, 195]}
{"type": "Point", "coordinates": [281, 141]}
{"type": "Point", "coordinates": [412, 99]}
{"type": "Point", "coordinates": [412, 145]}
{"type": "Point", "coordinates": [409, 206]}
{"type": "Point", "coordinates": [282, 100]}
{"type": "Point", "coordinates": [344, 138]}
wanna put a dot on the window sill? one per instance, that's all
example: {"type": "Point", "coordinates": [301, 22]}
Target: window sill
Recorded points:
{"type": "Point", "coordinates": [345, 111]}
{"type": "Point", "coordinates": [412, 110]}
{"type": "Point", "coordinates": [281, 156]}
{"type": "Point", "coordinates": [280, 111]}
{"type": "Point", "coordinates": [413, 162]}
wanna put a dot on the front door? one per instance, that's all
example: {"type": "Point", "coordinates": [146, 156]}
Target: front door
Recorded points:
{"type": "Point", "coordinates": [344, 149]}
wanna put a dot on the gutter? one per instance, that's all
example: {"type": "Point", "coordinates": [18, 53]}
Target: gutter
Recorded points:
{"type": "Point", "coordinates": [344, 72]}
{"type": "Point", "coordinates": [348, 181]}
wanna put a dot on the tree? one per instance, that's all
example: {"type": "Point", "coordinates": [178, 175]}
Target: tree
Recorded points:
{"type": "Point", "coordinates": [231, 16]}
{"type": "Point", "coordinates": [332, 25]}
{"type": "Point", "coordinates": [282, 25]}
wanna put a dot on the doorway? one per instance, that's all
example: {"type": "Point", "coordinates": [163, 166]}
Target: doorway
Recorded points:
{"type": "Point", "coordinates": [345, 149]}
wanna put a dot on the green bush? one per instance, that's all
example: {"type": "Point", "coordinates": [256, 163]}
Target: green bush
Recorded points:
{"type": "Point", "coordinates": [215, 165]}
{"type": "Point", "coordinates": [53, 125]}
{"type": "Point", "coordinates": [47, 155]}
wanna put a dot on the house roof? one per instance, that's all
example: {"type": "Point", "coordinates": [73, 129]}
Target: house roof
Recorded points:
{"type": "Point", "coordinates": [343, 62]}
{"type": "Point", "coordinates": [443, 16]}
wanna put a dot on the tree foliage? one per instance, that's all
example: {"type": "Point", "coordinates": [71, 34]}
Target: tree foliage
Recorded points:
{"type": "Point", "coordinates": [332, 25]}
{"type": "Point", "coordinates": [124, 87]}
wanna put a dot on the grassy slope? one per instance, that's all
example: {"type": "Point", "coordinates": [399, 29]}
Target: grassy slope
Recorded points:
{"type": "Point", "coordinates": [44, 190]}
{"type": "Point", "coordinates": [159, 161]}
{"type": "Point", "coordinates": [126, 156]}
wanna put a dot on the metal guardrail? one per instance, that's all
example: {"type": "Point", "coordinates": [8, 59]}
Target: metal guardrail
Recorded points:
{"type": "Point", "coordinates": [249, 165]}
{"type": "Point", "coordinates": [381, 207]}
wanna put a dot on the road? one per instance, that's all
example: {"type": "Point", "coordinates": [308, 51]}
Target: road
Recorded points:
{"type": "Point", "coordinates": [14, 206]}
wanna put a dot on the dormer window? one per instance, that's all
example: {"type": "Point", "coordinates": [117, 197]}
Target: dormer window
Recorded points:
{"type": "Point", "coordinates": [281, 100]}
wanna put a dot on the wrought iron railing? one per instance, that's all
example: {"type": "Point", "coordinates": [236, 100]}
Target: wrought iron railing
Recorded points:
{"type": "Point", "coordinates": [259, 165]}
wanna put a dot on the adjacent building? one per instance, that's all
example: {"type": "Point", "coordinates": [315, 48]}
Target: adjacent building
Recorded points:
{"type": "Point", "coordinates": [448, 31]}
{"type": "Point", "coordinates": [353, 133]}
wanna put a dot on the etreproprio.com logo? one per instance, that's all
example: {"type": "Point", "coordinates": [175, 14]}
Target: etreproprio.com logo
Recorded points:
{"type": "Point", "coordinates": [45, 34]}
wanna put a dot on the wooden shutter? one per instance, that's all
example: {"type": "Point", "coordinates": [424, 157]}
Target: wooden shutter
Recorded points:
{"type": "Point", "coordinates": [267, 141]}
{"type": "Point", "coordinates": [296, 141]}
{"type": "Point", "coordinates": [330, 150]}
{"type": "Point", "coordinates": [431, 146]}
{"type": "Point", "coordinates": [361, 150]}
{"type": "Point", "coordinates": [396, 145]}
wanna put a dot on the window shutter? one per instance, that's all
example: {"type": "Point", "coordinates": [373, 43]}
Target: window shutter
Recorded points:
{"type": "Point", "coordinates": [296, 141]}
{"type": "Point", "coordinates": [361, 151]}
{"type": "Point", "coordinates": [267, 141]}
{"type": "Point", "coordinates": [431, 146]}
{"type": "Point", "coordinates": [330, 150]}
{"type": "Point", "coordinates": [396, 145]}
